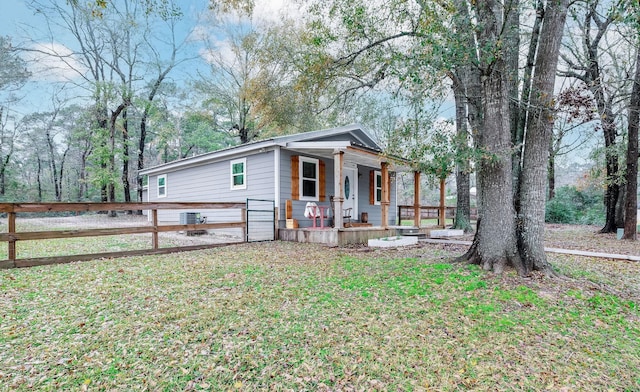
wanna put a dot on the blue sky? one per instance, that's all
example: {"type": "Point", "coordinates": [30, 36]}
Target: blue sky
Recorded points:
{"type": "Point", "coordinates": [26, 28]}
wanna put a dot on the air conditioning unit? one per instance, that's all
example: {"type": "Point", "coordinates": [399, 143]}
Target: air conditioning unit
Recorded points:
{"type": "Point", "coordinates": [189, 218]}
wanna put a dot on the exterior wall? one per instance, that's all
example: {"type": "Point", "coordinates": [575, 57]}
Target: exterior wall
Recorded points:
{"type": "Point", "coordinates": [212, 182]}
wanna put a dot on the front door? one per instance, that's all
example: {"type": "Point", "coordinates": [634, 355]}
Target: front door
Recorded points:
{"type": "Point", "coordinates": [350, 189]}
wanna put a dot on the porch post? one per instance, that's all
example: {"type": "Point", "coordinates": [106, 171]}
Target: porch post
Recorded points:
{"type": "Point", "coordinates": [416, 199]}
{"type": "Point", "coordinates": [385, 195]}
{"type": "Point", "coordinates": [338, 165]}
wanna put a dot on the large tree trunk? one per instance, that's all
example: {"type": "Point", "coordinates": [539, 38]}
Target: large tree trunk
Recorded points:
{"type": "Point", "coordinates": [38, 178]}
{"type": "Point", "coordinates": [63, 160]}
{"type": "Point", "coordinates": [52, 165]}
{"type": "Point", "coordinates": [612, 165]}
{"type": "Point", "coordinates": [499, 241]}
{"type": "Point", "coordinates": [142, 142]}
{"type": "Point", "coordinates": [607, 120]}
{"type": "Point", "coordinates": [495, 244]}
{"type": "Point", "coordinates": [511, 55]}
{"type": "Point", "coordinates": [472, 80]}
{"type": "Point", "coordinates": [463, 202]}
{"type": "Point", "coordinates": [3, 172]}
{"type": "Point", "coordinates": [537, 139]}
{"type": "Point", "coordinates": [126, 185]}
{"type": "Point", "coordinates": [112, 157]}
{"type": "Point", "coordinates": [631, 202]}
{"type": "Point", "coordinates": [551, 175]}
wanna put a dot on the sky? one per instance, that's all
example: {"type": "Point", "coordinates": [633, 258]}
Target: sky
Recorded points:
{"type": "Point", "coordinates": [20, 23]}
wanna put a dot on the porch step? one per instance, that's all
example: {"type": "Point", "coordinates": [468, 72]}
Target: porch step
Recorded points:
{"type": "Point", "coordinates": [357, 224]}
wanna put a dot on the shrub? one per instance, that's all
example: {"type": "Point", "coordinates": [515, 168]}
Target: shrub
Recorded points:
{"type": "Point", "coordinates": [559, 211]}
{"type": "Point", "coordinates": [574, 206]}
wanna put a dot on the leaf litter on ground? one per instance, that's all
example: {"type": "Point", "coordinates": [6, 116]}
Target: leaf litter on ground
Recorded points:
{"type": "Point", "coordinates": [287, 316]}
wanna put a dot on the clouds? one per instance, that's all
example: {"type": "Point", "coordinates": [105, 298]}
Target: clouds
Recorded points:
{"type": "Point", "coordinates": [222, 32]}
{"type": "Point", "coordinates": [53, 62]}
{"type": "Point", "coordinates": [275, 10]}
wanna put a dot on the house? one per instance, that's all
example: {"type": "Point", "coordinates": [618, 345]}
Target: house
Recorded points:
{"type": "Point", "coordinates": [339, 169]}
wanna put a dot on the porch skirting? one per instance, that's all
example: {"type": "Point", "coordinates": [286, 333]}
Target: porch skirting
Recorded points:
{"type": "Point", "coordinates": [336, 237]}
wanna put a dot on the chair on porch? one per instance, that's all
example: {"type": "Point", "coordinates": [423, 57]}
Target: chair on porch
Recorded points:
{"type": "Point", "coordinates": [346, 215]}
{"type": "Point", "coordinates": [313, 211]}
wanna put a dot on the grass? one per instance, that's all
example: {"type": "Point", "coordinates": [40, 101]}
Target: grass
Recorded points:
{"type": "Point", "coordinates": [286, 316]}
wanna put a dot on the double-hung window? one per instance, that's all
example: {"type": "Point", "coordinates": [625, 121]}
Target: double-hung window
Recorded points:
{"type": "Point", "coordinates": [309, 179]}
{"type": "Point", "coordinates": [162, 185]}
{"type": "Point", "coordinates": [239, 173]}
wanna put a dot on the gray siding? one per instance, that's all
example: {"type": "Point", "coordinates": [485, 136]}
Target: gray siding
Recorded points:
{"type": "Point", "coordinates": [211, 182]}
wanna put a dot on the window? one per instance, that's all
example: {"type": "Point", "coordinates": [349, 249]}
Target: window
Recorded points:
{"type": "Point", "coordinates": [378, 187]}
{"type": "Point", "coordinates": [239, 174]}
{"type": "Point", "coordinates": [162, 185]}
{"type": "Point", "coordinates": [309, 179]}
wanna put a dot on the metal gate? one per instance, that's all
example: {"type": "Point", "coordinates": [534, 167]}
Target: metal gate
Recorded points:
{"type": "Point", "coordinates": [261, 220]}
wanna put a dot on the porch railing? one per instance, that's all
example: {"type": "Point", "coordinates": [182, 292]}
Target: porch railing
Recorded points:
{"type": "Point", "coordinates": [407, 212]}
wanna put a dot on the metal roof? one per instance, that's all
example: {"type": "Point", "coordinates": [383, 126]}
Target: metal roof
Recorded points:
{"type": "Point", "coordinates": [365, 148]}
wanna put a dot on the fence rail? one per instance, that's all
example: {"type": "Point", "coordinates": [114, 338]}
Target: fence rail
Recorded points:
{"type": "Point", "coordinates": [407, 212]}
{"type": "Point", "coordinates": [12, 235]}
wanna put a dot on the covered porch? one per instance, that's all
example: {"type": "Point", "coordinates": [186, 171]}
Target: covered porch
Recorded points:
{"type": "Point", "coordinates": [349, 214]}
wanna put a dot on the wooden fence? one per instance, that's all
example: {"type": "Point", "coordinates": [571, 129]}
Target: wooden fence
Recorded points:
{"type": "Point", "coordinates": [11, 236]}
{"type": "Point", "coordinates": [406, 212]}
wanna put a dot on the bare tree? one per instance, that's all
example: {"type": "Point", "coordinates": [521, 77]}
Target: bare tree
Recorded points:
{"type": "Point", "coordinates": [234, 64]}
{"type": "Point", "coordinates": [584, 61]}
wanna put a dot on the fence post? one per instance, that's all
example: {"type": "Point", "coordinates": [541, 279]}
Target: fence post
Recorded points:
{"type": "Point", "coordinates": [11, 218]}
{"type": "Point", "coordinates": [154, 235]}
{"type": "Point", "coordinates": [245, 232]}
{"type": "Point", "coordinates": [275, 222]}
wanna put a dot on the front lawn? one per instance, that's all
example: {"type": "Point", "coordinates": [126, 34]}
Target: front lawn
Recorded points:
{"type": "Point", "coordinates": [286, 316]}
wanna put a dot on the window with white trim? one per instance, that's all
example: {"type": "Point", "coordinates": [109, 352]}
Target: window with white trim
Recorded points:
{"type": "Point", "coordinates": [377, 187]}
{"type": "Point", "coordinates": [238, 169]}
{"type": "Point", "coordinates": [309, 179]}
{"type": "Point", "coordinates": [162, 185]}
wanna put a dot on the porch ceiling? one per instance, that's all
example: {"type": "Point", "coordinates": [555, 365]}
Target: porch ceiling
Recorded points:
{"type": "Point", "coordinates": [352, 154]}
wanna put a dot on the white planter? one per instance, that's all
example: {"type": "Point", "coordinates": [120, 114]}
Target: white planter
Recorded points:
{"type": "Point", "coordinates": [391, 242]}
